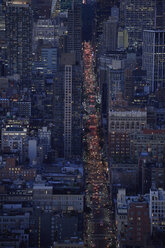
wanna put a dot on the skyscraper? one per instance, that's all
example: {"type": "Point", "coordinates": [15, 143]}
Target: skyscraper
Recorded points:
{"type": "Point", "coordinates": [154, 58]}
{"type": "Point", "coordinates": [74, 29]}
{"type": "Point", "coordinates": [103, 11]}
{"type": "Point", "coordinates": [19, 39]}
{"type": "Point", "coordinates": [68, 90]}
{"type": "Point", "coordinates": [135, 16]}
{"type": "Point", "coordinates": [160, 14]}
{"type": "Point", "coordinates": [2, 40]}
{"type": "Point", "coordinates": [110, 29]}
{"type": "Point", "coordinates": [67, 108]}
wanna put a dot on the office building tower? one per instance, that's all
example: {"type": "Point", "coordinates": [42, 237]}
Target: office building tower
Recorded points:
{"type": "Point", "coordinates": [154, 58]}
{"type": "Point", "coordinates": [19, 39]}
{"type": "Point", "coordinates": [67, 90]}
{"type": "Point", "coordinates": [2, 41]}
{"type": "Point", "coordinates": [115, 74]}
{"type": "Point", "coordinates": [2, 23]}
{"type": "Point", "coordinates": [110, 29]}
{"type": "Point", "coordinates": [160, 14]}
{"type": "Point", "coordinates": [58, 130]}
{"type": "Point", "coordinates": [67, 108]}
{"type": "Point", "coordinates": [135, 16]}
{"type": "Point", "coordinates": [103, 12]}
{"type": "Point", "coordinates": [74, 30]}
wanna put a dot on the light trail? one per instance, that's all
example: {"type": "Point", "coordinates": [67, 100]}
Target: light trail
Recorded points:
{"type": "Point", "coordinates": [98, 222]}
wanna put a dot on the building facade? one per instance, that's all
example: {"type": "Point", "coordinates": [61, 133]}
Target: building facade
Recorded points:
{"type": "Point", "coordinates": [154, 58]}
{"type": "Point", "coordinates": [137, 15]}
{"type": "Point", "coordinates": [19, 39]}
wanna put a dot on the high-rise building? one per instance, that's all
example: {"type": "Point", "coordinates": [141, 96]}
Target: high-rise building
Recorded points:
{"type": "Point", "coordinates": [133, 220]}
{"type": "Point", "coordinates": [160, 14]}
{"type": "Point", "coordinates": [67, 108]}
{"type": "Point", "coordinates": [68, 71]}
{"type": "Point", "coordinates": [110, 29]}
{"type": "Point", "coordinates": [19, 39]}
{"type": "Point", "coordinates": [115, 74]}
{"type": "Point", "coordinates": [2, 23]}
{"type": "Point", "coordinates": [74, 30]}
{"type": "Point", "coordinates": [135, 16]}
{"type": "Point", "coordinates": [2, 41]}
{"type": "Point", "coordinates": [120, 125]}
{"type": "Point", "coordinates": [103, 11]}
{"type": "Point", "coordinates": [154, 58]}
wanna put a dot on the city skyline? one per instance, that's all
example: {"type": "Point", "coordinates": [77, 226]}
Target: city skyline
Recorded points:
{"type": "Point", "coordinates": [82, 117]}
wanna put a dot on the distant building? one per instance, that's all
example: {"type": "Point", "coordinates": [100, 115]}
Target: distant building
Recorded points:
{"type": "Point", "coordinates": [65, 4]}
{"type": "Point", "coordinates": [14, 223]}
{"type": "Point", "coordinates": [13, 140]}
{"type": "Point", "coordinates": [67, 108]}
{"type": "Point", "coordinates": [42, 9]}
{"type": "Point", "coordinates": [32, 150]}
{"type": "Point", "coordinates": [132, 219]}
{"type": "Point", "coordinates": [43, 31]}
{"type": "Point", "coordinates": [136, 16]}
{"type": "Point", "coordinates": [115, 77]}
{"type": "Point", "coordinates": [150, 141]}
{"type": "Point", "coordinates": [44, 198]}
{"type": "Point", "coordinates": [110, 28]}
{"type": "Point", "coordinates": [121, 123]}
{"type": "Point", "coordinates": [13, 172]}
{"type": "Point", "coordinates": [19, 39]}
{"type": "Point", "coordinates": [127, 120]}
{"type": "Point", "coordinates": [122, 42]}
{"type": "Point", "coordinates": [47, 64]}
{"type": "Point", "coordinates": [157, 210]}
{"type": "Point", "coordinates": [44, 136]}
{"type": "Point", "coordinates": [124, 175]}
{"type": "Point", "coordinates": [74, 38]}
{"type": "Point", "coordinates": [160, 14]}
{"type": "Point", "coordinates": [154, 58]}
{"type": "Point", "coordinates": [103, 12]}
{"type": "Point", "coordinates": [151, 173]}
{"type": "Point", "coordinates": [23, 108]}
